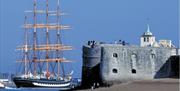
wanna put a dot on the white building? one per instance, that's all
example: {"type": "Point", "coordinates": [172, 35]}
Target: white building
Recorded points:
{"type": "Point", "coordinates": [147, 39]}
{"type": "Point", "coordinates": [165, 43]}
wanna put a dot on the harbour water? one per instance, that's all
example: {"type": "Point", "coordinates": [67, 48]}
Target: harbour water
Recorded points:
{"type": "Point", "coordinates": [30, 89]}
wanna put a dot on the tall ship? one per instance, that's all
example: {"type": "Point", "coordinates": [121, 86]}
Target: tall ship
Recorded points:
{"type": "Point", "coordinates": [41, 63]}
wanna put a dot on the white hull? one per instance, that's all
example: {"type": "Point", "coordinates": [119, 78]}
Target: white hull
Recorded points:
{"type": "Point", "coordinates": [2, 85]}
{"type": "Point", "coordinates": [51, 85]}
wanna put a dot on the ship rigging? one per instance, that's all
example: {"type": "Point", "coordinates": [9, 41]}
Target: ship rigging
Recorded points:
{"type": "Point", "coordinates": [42, 60]}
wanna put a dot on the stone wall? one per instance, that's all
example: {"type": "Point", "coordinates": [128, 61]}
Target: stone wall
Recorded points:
{"type": "Point", "coordinates": [91, 65]}
{"type": "Point", "coordinates": [114, 63]}
{"type": "Point", "coordinates": [124, 63]}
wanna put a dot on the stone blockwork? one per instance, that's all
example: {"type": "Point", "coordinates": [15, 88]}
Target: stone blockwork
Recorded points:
{"type": "Point", "coordinates": [133, 63]}
{"type": "Point", "coordinates": [91, 65]}
{"type": "Point", "coordinates": [115, 63]}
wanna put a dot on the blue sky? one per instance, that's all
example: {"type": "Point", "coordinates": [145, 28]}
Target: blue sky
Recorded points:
{"type": "Point", "coordinates": [101, 20]}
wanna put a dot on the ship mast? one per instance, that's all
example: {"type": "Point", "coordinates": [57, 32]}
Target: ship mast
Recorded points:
{"type": "Point", "coordinates": [34, 37]}
{"type": "Point", "coordinates": [58, 52]}
{"type": "Point", "coordinates": [47, 47]}
{"type": "Point", "coordinates": [26, 48]}
{"type": "Point", "coordinates": [47, 39]}
{"type": "Point", "coordinates": [58, 34]}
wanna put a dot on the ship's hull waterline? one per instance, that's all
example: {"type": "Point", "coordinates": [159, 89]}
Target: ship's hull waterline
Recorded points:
{"type": "Point", "coordinates": [41, 83]}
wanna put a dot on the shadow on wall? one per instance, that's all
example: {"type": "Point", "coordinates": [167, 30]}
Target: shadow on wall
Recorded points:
{"type": "Point", "coordinates": [90, 76]}
{"type": "Point", "coordinates": [170, 69]}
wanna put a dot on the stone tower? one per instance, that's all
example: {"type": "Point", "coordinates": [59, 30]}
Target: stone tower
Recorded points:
{"type": "Point", "coordinates": [147, 39]}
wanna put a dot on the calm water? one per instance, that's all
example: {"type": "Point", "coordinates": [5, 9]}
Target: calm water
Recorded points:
{"type": "Point", "coordinates": [30, 89]}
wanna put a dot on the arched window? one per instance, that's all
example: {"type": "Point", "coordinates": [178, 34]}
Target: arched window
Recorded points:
{"type": "Point", "coordinates": [134, 71]}
{"type": "Point", "coordinates": [153, 56]}
{"type": "Point", "coordinates": [144, 39]}
{"type": "Point", "coordinates": [147, 39]}
{"type": "Point", "coordinates": [115, 71]}
{"type": "Point", "coordinates": [115, 55]}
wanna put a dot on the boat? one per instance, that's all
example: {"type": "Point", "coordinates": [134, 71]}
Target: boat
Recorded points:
{"type": "Point", "coordinates": [42, 58]}
{"type": "Point", "coordinates": [2, 86]}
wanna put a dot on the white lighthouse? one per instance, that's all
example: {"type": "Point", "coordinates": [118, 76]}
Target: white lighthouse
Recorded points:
{"type": "Point", "coordinates": [147, 39]}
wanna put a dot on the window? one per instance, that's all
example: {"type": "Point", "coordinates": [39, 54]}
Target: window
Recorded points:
{"type": "Point", "coordinates": [144, 39]}
{"type": "Point", "coordinates": [133, 71]}
{"type": "Point", "coordinates": [115, 55]}
{"type": "Point", "coordinates": [147, 39]}
{"type": "Point", "coordinates": [114, 71]}
{"type": "Point", "coordinates": [153, 56]}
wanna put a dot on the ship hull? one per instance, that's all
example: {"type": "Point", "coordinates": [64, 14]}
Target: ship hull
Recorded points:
{"type": "Point", "coordinates": [2, 86]}
{"type": "Point", "coordinates": [42, 83]}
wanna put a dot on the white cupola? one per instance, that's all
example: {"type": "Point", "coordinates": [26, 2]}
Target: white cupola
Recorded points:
{"type": "Point", "coordinates": [147, 39]}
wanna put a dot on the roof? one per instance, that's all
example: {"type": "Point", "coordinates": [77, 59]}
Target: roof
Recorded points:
{"type": "Point", "coordinates": [148, 32]}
